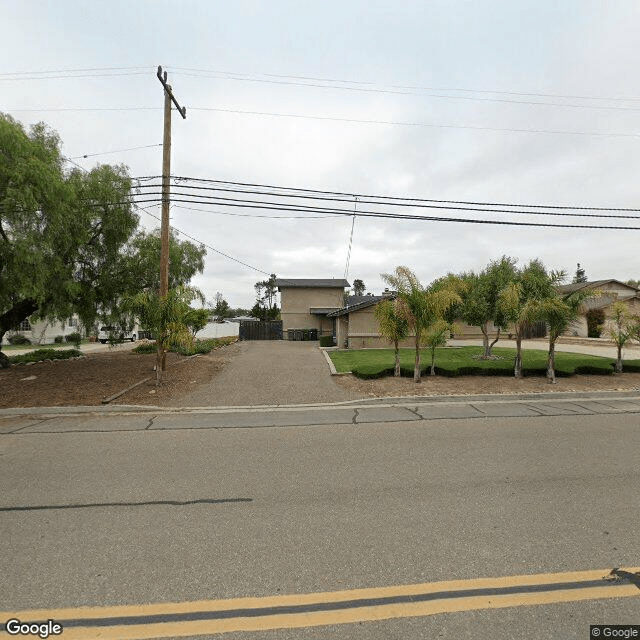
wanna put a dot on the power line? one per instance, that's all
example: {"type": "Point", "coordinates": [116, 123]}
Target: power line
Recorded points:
{"type": "Point", "coordinates": [104, 153]}
{"type": "Point", "coordinates": [84, 70]}
{"type": "Point", "coordinates": [408, 92]}
{"type": "Point", "coordinates": [273, 114]}
{"type": "Point", "coordinates": [413, 124]}
{"type": "Point", "coordinates": [377, 214]}
{"type": "Point", "coordinates": [399, 202]}
{"type": "Point", "coordinates": [416, 87]}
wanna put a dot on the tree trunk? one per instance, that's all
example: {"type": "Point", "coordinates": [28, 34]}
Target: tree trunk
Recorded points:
{"type": "Point", "coordinates": [496, 340]}
{"type": "Point", "coordinates": [396, 371]}
{"type": "Point", "coordinates": [485, 340]}
{"type": "Point", "coordinates": [551, 365]}
{"type": "Point", "coordinates": [159, 360]}
{"type": "Point", "coordinates": [416, 368]}
{"type": "Point", "coordinates": [517, 371]}
{"type": "Point", "coordinates": [13, 317]}
{"type": "Point", "coordinates": [433, 361]}
{"type": "Point", "coordinates": [619, 360]}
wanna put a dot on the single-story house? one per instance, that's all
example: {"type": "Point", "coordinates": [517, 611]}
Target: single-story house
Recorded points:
{"type": "Point", "coordinates": [305, 303]}
{"type": "Point", "coordinates": [611, 291]}
{"type": "Point", "coordinates": [43, 331]}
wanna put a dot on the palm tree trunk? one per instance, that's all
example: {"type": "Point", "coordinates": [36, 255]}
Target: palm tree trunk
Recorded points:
{"type": "Point", "coordinates": [551, 365]}
{"type": "Point", "coordinates": [396, 372]}
{"type": "Point", "coordinates": [517, 371]}
{"type": "Point", "coordinates": [619, 360]}
{"type": "Point", "coordinates": [416, 368]}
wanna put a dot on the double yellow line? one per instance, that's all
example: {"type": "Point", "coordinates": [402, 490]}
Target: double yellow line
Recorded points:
{"type": "Point", "coordinates": [139, 622]}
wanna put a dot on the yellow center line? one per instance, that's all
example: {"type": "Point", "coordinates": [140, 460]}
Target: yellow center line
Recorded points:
{"type": "Point", "coordinates": [325, 608]}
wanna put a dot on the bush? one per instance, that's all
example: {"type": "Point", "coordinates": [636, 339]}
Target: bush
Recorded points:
{"type": "Point", "coordinates": [18, 338]}
{"type": "Point", "coordinates": [146, 347]}
{"type": "Point", "coordinates": [59, 339]}
{"type": "Point", "coordinates": [595, 322]}
{"type": "Point", "coordinates": [45, 354]}
{"type": "Point", "coordinates": [326, 341]}
{"type": "Point", "coordinates": [74, 337]}
{"type": "Point", "coordinates": [198, 346]}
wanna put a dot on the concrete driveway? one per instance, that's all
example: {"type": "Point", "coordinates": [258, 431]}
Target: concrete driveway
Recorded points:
{"type": "Point", "coordinates": [270, 372]}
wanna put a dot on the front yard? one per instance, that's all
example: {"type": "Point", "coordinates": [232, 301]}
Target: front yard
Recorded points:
{"type": "Point", "coordinates": [464, 361]}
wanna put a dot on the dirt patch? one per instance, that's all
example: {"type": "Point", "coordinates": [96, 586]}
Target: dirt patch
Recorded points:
{"type": "Point", "coordinates": [85, 382]}
{"type": "Point", "coordinates": [467, 385]}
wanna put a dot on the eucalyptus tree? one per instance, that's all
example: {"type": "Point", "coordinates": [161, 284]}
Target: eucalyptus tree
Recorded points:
{"type": "Point", "coordinates": [423, 307]}
{"type": "Point", "coordinates": [394, 325]}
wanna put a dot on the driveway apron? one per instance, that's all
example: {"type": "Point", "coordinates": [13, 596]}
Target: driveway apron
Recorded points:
{"type": "Point", "coordinates": [270, 372]}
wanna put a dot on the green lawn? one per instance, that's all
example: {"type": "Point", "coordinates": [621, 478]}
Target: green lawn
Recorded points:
{"type": "Point", "coordinates": [454, 361]}
{"type": "Point", "coordinates": [55, 345]}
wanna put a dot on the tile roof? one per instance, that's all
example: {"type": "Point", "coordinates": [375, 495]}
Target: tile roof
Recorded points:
{"type": "Point", "coordinates": [367, 301]}
{"type": "Point", "coordinates": [593, 284]}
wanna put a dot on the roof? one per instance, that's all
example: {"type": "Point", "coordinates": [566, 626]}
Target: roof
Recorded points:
{"type": "Point", "coordinates": [593, 284]}
{"type": "Point", "coordinates": [321, 311]}
{"type": "Point", "coordinates": [367, 301]}
{"type": "Point", "coordinates": [320, 283]}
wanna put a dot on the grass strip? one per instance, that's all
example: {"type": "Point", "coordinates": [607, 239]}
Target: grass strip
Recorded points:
{"type": "Point", "coordinates": [45, 354]}
{"type": "Point", "coordinates": [465, 361]}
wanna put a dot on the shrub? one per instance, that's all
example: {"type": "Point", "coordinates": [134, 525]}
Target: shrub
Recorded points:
{"type": "Point", "coordinates": [59, 339]}
{"type": "Point", "coordinates": [595, 322]}
{"type": "Point", "coordinates": [146, 347]}
{"type": "Point", "coordinates": [18, 338]}
{"type": "Point", "coordinates": [74, 337]}
{"type": "Point", "coordinates": [198, 346]}
{"type": "Point", "coordinates": [326, 341]}
{"type": "Point", "coordinates": [45, 354]}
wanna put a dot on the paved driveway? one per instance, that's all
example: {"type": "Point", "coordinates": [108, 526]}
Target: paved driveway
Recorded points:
{"type": "Point", "coordinates": [270, 372]}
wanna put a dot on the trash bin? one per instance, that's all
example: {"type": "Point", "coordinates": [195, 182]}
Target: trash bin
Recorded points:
{"type": "Point", "coordinates": [298, 334]}
{"type": "Point", "coordinates": [313, 334]}
{"type": "Point", "coordinates": [291, 334]}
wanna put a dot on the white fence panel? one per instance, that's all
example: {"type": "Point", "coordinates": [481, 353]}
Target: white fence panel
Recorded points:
{"type": "Point", "coordinates": [219, 330]}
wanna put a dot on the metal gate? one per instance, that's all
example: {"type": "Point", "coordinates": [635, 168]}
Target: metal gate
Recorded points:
{"type": "Point", "coordinates": [271, 330]}
{"type": "Point", "coordinates": [535, 330]}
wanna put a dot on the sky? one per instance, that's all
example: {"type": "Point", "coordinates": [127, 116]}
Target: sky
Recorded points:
{"type": "Point", "coordinates": [528, 102]}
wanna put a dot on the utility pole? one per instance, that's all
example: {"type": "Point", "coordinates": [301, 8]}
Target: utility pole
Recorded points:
{"type": "Point", "coordinates": [164, 227]}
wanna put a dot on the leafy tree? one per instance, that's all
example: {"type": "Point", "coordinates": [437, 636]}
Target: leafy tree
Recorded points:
{"type": "Point", "coordinates": [394, 325]}
{"type": "Point", "coordinates": [437, 337]}
{"type": "Point", "coordinates": [358, 287]}
{"type": "Point", "coordinates": [61, 232]}
{"type": "Point", "coordinates": [221, 309]}
{"type": "Point", "coordinates": [581, 275]}
{"type": "Point", "coordinates": [167, 318]}
{"type": "Point", "coordinates": [422, 307]}
{"type": "Point", "coordinates": [142, 259]}
{"type": "Point", "coordinates": [517, 301]}
{"type": "Point", "coordinates": [197, 319]}
{"type": "Point", "coordinates": [633, 283]}
{"type": "Point", "coordinates": [480, 304]}
{"type": "Point", "coordinates": [595, 322]}
{"type": "Point", "coordinates": [621, 330]}
{"type": "Point", "coordinates": [266, 292]}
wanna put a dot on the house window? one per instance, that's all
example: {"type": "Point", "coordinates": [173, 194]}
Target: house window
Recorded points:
{"type": "Point", "coordinates": [72, 322]}
{"type": "Point", "coordinates": [25, 325]}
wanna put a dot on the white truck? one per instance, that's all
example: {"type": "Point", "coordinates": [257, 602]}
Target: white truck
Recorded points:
{"type": "Point", "coordinates": [107, 333]}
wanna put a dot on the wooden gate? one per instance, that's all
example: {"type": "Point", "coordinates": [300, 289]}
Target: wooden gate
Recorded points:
{"type": "Point", "coordinates": [535, 330]}
{"type": "Point", "coordinates": [271, 330]}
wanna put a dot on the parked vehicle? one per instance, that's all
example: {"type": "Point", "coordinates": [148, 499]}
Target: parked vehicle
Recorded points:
{"type": "Point", "coordinates": [115, 333]}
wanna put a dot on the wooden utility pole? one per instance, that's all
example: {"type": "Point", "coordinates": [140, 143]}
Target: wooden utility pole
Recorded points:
{"type": "Point", "coordinates": [166, 176]}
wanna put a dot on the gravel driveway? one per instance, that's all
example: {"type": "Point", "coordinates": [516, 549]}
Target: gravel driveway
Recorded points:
{"type": "Point", "coordinates": [270, 372]}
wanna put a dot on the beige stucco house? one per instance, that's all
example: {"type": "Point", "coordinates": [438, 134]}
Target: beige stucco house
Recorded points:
{"type": "Point", "coordinates": [611, 291]}
{"type": "Point", "coordinates": [306, 302]}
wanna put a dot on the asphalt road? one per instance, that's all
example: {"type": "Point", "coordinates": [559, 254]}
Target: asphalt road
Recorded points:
{"type": "Point", "coordinates": [140, 509]}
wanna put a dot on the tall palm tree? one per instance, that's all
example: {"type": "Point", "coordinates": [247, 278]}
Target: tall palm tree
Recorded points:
{"type": "Point", "coordinates": [394, 325]}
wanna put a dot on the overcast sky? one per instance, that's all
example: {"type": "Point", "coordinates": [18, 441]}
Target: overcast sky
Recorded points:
{"type": "Point", "coordinates": [487, 61]}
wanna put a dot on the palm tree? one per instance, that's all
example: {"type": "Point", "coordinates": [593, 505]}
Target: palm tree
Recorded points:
{"type": "Point", "coordinates": [394, 325]}
{"type": "Point", "coordinates": [422, 307]}
{"type": "Point", "coordinates": [518, 302]}
{"type": "Point", "coordinates": [621, 331]}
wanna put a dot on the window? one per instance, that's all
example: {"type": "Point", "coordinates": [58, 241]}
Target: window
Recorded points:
{"type": "Point", "coordinates": [25, 325]}
{"type": "Point", "coordinates": [72, 322]}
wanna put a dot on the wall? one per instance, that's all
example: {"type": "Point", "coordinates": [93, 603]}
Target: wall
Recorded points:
{"type": "Point", "coordinates": [295, 303]}
{"type": "Point", "coordinates": [219, 330]}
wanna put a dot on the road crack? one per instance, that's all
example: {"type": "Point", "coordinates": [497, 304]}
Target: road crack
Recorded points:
{"type": "Point", "coordinates": [354, 420]}
{"type": "Point", "coordinates": [150, 422]}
